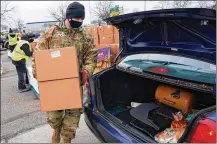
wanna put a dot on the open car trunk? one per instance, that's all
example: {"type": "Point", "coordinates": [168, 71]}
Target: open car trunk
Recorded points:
{"type": "Point", "coordinates": [119, 89]}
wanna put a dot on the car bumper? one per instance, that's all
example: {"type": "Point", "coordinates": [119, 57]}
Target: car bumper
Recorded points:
{"type": "Point", "coordinates": [92, 128]}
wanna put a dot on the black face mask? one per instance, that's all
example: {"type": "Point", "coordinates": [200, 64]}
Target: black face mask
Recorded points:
{"type": "Point", "coordinates": [75, 24]}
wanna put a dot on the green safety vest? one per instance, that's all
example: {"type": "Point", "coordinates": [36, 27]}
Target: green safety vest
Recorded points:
{"type": "Point", "coordinates": [12, 40]}
{"type": "Point", "coordinates": [19, 54]}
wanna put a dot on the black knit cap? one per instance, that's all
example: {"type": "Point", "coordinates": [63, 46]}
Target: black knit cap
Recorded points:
{"type": "Point", "coordinates": [75, 10]}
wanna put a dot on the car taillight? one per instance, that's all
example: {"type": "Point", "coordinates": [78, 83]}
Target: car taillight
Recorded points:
{"type": "Point", "coordinates": [159, 69]}
{"type": "Point", "coordinates": [205, 132]}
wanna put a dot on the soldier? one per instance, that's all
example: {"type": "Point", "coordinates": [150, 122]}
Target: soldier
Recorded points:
{"type": "Point", "coordinates": [66, 34]}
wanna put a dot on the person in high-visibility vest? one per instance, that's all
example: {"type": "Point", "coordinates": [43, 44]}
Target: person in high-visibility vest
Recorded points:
{"type": "Point", "coordinates": [12, 40]}
{"type": "Point", "coordinates": [20, 56]}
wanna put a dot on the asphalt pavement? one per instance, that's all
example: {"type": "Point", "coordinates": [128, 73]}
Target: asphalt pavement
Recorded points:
{"type": "Point", "coordinates": [21, 118]}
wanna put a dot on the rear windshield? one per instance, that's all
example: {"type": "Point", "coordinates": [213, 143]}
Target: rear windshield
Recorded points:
{"type": "Point", "coordinates": [174, 31]}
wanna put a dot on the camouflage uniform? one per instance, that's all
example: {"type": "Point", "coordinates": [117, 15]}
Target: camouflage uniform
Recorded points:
{"type": "Point", "coordinates": [87, 56]}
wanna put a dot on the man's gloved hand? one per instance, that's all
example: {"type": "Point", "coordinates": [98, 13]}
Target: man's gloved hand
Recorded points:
{"type": "Point", "coordinates": [83, 77]}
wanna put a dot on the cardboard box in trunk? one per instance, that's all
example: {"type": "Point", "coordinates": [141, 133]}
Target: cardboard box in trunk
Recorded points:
{"type": "Point", "coordinates": [58, 79]}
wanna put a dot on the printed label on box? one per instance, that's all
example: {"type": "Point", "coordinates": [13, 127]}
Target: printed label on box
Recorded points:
{"type": "Point", "coordinates": [55, 54]}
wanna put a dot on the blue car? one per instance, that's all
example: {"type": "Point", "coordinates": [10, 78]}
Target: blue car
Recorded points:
{"type": "Point", "coordinates": [161, 88]}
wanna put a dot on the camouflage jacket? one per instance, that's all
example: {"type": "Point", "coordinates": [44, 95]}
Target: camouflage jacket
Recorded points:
{"type": "Point", "coordinates": [59, 37]}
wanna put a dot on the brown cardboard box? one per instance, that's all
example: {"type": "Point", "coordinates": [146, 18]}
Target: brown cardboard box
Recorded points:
{"type": "Point", "coordinates": [54, 64]}
{"type": "Point", "coordinates": [58, 79]}
{"type": "Point", "coordinates": [60, 94]}
{"type": "Point", "coordinates": [107, 39]}
{"type": "Point", "coordinates": [108, 29]}
{"type": "Point", "coordinates": [116, 30]}
{"type": "Point", "coordinates": [94, 31]}
{"type": "Point", "coordinates": [96, 39]}
{"type": "Point", "coordinates": [102, 46]}
{"type": "Point", "coordinates": [114, 48]}
{"type": "Point", "coordinates": [112, 58]}
{"type": "Point", "coordinates": [116, 38]}
{"type": "Point", "coordinates": [100, 30]}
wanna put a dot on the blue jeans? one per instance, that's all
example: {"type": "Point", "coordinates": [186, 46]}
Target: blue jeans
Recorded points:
{"type": "Point", "coordinates": [22, 73]}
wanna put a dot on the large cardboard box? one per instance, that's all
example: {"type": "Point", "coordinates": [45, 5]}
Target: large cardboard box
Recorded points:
{"type": "Point", "coordinates": [58, 79]}
{"type": "Point", "coordinates": [107, 39]}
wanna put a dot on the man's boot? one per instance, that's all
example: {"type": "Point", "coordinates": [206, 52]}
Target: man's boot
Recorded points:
{"type": "Point", "coordinates": [56, 135]}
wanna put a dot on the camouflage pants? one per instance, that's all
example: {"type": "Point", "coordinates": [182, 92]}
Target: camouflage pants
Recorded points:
{"type": "Point", "coordinates": [66, 119]}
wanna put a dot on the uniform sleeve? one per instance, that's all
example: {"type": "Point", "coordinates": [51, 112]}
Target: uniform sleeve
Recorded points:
{"type": "Point", "coordinates": [40, 45]}
{"type": "Point", "coordinates": [90, 56]}
{"type": "Point", "coordinates": [26, 49]}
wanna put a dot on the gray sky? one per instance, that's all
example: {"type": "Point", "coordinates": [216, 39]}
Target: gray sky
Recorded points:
{"type": "Point", "coordinates": [35, 11]}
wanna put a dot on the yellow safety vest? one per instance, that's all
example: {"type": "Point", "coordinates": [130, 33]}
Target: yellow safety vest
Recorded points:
{"type": "Point", "coordinates": [3, 36]}
{"type": "Point", "coordinates": [19, 54]}
{"type": "Point", "coordinates": [12, 40]}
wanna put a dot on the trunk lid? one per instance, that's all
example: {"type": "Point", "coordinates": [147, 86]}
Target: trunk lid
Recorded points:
{"type": "Point", "coordinates": [189, 32]}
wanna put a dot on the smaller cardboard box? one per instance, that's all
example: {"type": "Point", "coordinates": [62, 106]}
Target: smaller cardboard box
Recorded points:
{"type": "Point", "coordinates": [57, 73]}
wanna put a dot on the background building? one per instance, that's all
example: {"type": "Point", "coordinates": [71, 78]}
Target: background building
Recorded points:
{"type": "Point", "coordinates": [38, 26]}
